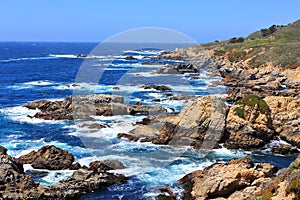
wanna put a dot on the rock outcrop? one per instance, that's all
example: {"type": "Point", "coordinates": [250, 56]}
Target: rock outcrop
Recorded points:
{"type": "Point", "coordinates": [241, 179]}
{"type": "Point", "coordinates": [284, 149]}
{"type": "Point", "coordinates": [200, 124]}
{"type": "Point", "coordinates": [48, 157]}
{"type": "Point", "coordinates": [249, 123]}
{"type": "Point", "coordinates": [15, 184]}
{"type": "Point", "coordinates": [83, 107]}
{"type": "Point", "coordinates": [236, 179]}
{"type": "Point", "coordinates": [285, 115]}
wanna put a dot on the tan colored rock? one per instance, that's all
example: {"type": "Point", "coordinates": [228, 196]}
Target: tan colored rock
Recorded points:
{"type": "Point", "coordinates": [249, 126]}
{"type": "Point", "coordinates": [223, 180]}
{"type": "Point", "coordinates": [200, 124]}
{"type": "Point", "coordinates": [285, 114]}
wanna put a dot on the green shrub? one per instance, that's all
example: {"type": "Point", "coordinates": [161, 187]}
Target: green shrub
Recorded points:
{"type": "Point", "coordinates": [252, 100]}
{"type": "Point", "coordinates": [240, 112]}
{"type": "Point", "coordinates": [236, 40]}
{"type": "Point", "coordinates": [294, 187]}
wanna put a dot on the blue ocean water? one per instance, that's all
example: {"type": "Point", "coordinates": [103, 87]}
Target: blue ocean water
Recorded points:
{"type": "Point", "coordinates": [32, 71]}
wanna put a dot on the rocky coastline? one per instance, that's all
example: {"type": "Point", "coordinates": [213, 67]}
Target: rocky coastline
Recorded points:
{"type": "Point", "coordinates": [262, 104]}
{"type": "Point", "coordinates": [16, 184]}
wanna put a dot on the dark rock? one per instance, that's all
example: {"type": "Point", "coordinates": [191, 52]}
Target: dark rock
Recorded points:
{"type": "Point", "coordinates": [105, 165]}
{"type": "Point", "coordinates": [81, 55]}
{"type": "Point", "coordinates": [128, 137]}
{"type": "Point", "coordinates": [83, 107]}
{"type": "Point", "coordinates": [152, 63]}
{"type": "Point", "coordinates": [284, 149]}
{"type": "Point", "coordinates": [94, 126]}
{"type": "Point", "coordinates": [15, 184]}
{"type": "Point", "coordinates": [155, 100]}
{"type": "Point", "coordinates": [145, 121]}
{"type": "Point", "coordinates": [48, 157]}
{"type": "Point", "coordinates": [3, 150]}
{"type": "Point", "coordinates": [157, 87]}
{"type": "Point", "coordinates": [167, 194]}
{"type": "Point", "coordinates": [75, 166]}
{"type": "Point", "coordinates": [129, 58]}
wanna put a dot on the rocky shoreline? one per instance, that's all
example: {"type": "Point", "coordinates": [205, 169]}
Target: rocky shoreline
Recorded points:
{"type": "Point", "coordinates": [16, 184]}
{"type": "Point", "coordinates": [262, 104]}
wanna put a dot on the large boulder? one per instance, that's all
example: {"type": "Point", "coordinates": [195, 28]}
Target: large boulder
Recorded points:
{"type": "Point", "coordinates": [285, 115]}
{"type": "Point", "coordinates": [48, 157]}
{"type": "Point", "coordinates": [249, 123]}
{"type": "Point", "coordinates": [223, 180]}
{"type": "Point", "coordinates": [200, 124]}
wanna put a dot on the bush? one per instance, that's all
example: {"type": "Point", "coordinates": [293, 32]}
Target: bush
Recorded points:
{"type": "Point", "coordinates": [252, 100]}
{"type": "Point", "coordinates": [268, 31]}
{"type": "Point", "coordinates": [237, 40]}
{"type": "Point", "coordinates": [240, 112]}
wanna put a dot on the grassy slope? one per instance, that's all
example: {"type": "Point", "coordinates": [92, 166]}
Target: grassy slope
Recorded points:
{"type": "Point", "coordinates": [282, 47]}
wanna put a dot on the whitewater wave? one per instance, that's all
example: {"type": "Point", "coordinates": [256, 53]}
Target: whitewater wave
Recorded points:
{"type": "Point", "coordinates": [21, 114]}
{"type": "Point", "coordinates": [24, 59]}
{"type": "Point", "coordinates": [39, 83]}
{"type": "Point", "coordinates": [63, 56]}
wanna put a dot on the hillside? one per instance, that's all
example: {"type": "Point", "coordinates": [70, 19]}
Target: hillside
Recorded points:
{"type": "Point", "coordinates": [278, 44]}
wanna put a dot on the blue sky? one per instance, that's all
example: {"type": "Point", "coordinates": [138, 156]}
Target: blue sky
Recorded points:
{"type": "Point", "coordinates": [96, 20]}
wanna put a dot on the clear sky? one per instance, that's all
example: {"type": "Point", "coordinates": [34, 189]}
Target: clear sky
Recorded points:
{"type": "Point", "coordinates": [96, 20]}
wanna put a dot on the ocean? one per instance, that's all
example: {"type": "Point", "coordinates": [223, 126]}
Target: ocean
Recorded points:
{"type": "Point", "coordinates": [31, 71]}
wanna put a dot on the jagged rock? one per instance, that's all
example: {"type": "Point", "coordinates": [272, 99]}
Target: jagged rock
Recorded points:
{"type": "Point", "coordinates": [222, 180]}
{"type": "Point", "coordinates": [48, 157]}
{"type": "Point", "coordinates": [249, 123]}
{"type": "Point", "coordinates": [285, 115]}
{"type": "Point", "coordinates": [200, 124]}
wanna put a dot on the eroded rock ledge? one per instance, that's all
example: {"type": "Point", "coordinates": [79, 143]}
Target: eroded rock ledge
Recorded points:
{"type": "Point", "coordinates": [16, 184]}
